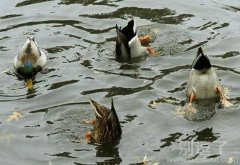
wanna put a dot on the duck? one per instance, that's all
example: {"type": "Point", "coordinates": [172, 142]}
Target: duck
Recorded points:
{"type": "Point", "coordinates": [106, 126]}
{"type": "Point", "coordinates": [203, 82]}
{"type": "Point", "coordinates": [129, 45]}
{"type": "Point", "coordinates": [29, 61]}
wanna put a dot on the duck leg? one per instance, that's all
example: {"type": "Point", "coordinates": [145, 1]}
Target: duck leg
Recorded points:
{"type": "Point", "coordinates": [223, 100]}
{"type": "Point", "coordinates": [145, 40]}
{"type": "Point", "coordinates": [192, 98]}
{"type": "Point", "coordinates": [29, 84]}
{"type": "Point", "coordinates": [151, 51]}
{"type": "Point", "coordinates": [88, 136]}
{"type": "Point", "coordinates": [189, 108]}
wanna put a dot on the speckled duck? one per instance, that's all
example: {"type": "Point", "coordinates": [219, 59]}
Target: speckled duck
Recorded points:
{"type": "Point", "coordinates": [106, 127]}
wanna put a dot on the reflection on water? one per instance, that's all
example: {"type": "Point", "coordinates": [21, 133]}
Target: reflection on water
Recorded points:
{"type": "Point", "coordinates": [60, 84]}
{"type": "Point", "coordinates": [155, 15]}
{"type": "Point", "coordinates": [78, 38]}
{"type": "Point", "coordinates": [171, 139]}
{"type": "Point", "coordinates": [109, 150]}
{"type": "Point", "coordinates": [114, 91]}
{"type": "Point", "coordinates": [193, 145]}
{"type": "Point", "coordinates": [27, 2]}
{"type": "Point", "coordinates": [88, 2]}
{"type": "Point", "coordinates": [200, 110]}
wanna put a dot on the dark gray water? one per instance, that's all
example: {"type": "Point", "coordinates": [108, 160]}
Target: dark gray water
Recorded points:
{"type": "Point", "coordinates": [78, 38]}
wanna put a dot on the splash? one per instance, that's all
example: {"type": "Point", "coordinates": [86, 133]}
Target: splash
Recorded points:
{"type": "Point", "coordinates": [226, 91]}
{"type": "Point", "coordinates": [145, 161]}
{"type": "Point", "coordinates": [7, 71]}
{"type": "Point", "coordinates": [186, 110]}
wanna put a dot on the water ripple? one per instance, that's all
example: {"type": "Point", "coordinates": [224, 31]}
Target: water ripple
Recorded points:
{"type": "Point", "coordinates": [156, 15]}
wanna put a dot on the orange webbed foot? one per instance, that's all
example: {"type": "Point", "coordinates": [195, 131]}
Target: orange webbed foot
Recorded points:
{"type": "Point", "coordinates": [88, 136]}
{"type": "Point", "coordinates": [145, 40]}
{"type": "Point", "coordinates": [150, 51]}
{"type": "Point", "coordinates": [29, 84]}
{"type": "Point", "coordinates": [192, 98]}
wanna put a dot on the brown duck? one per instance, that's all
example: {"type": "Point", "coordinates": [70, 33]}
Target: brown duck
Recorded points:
{"type": "Point", "coordinates": [106, 125]}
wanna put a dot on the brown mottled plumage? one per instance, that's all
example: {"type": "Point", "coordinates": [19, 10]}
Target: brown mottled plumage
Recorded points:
{"type": "Point", "coordinates": [107, 127]}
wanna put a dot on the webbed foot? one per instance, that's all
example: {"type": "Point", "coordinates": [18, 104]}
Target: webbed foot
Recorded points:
{"type": "Point", "coordinates": [145, 40]}
{"type": "Point", "coordinates": [88, 136]}
{"type": "Point", "coordinates": [29, 84]}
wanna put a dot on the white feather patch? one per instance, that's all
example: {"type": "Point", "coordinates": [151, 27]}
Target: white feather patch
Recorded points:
{"type": "Point", "coordinates": [136, 48]}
